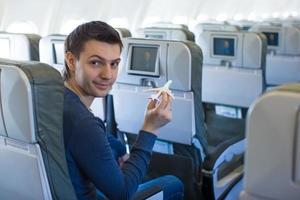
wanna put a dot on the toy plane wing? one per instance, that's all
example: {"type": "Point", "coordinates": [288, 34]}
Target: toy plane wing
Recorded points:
{"type": "Point", "coordinates": [159, 90]}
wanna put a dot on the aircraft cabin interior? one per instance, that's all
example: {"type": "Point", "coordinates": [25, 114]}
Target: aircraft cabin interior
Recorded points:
{"type": "Point", "coordinates": [231, 68]}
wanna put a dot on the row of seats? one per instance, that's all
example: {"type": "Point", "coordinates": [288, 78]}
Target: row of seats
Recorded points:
{"type": "Point", "coordinates": [282, 38]}
{"type": "Point", "coordinates": [226, 57]}
{"type": "Point", "coordinates": [233, 62]}
{"type": "Point", "coordinates": [33, 164]}
{"type": "Point", "coordinates": [18, 46]}
{"type": "Point", "coordinates": [283, 45]}
{"type": "Point", "coordinates": [32, 147]}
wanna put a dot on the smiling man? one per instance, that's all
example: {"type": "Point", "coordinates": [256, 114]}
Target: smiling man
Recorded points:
{"type": "Point", "coordinates": [92, 56]}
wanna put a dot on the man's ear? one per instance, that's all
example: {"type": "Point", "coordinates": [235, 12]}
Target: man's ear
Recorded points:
{"type": "Point", "coordinates": [70, 60]}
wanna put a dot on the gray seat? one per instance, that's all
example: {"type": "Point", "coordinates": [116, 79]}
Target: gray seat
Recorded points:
{"type": "Point", "coordinates": [123, 32]}
{"type": "Point", "coordinates": [32, 155]}
{"type": "Point", "coordinates": [272, 160]}
{"type": "Point", "coordinates": [19, 46]}
{"type": "Point", "coordinates": [52, 51]}
{"type": "Point", "coordinates": [151, 63]}
{"type": "Point", "coordinates": [233, 77]}
{"type": "Point", "coordinates": [165, 31]}
{"type": "Point", "coordinates": [201, 27]}
{"type": "Point", "coordinates": [283, 59]}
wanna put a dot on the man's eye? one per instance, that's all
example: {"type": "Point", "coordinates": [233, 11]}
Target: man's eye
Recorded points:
{"type": "Point", "coordinates": [96, 62]}
{"type": "Point", "coordinates": [115, 64]}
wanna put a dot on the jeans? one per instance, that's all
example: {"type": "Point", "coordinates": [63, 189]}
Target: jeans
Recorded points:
{"type": "Point", "coordinates": [171, 187]}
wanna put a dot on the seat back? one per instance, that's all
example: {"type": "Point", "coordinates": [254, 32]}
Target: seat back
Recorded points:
{"type": "Point", "coordinates": [283, 59]}
{"type": "Point", "coordinates": [282, 40]}
{"type": "Point", "coordinates": [151, 63]}
{"type": "Point", "coordinates": [233, 67]}
{"type": "Point", "coordinates": [201, 27]}
{"type": "Point", "coordinates": [52, 51]}
{"type": "Point", "coordinates": [19, 46]}
{"type": "Point", "coordinates": [272, 161]}
{"type": "Point", "coordinates": [123, 32]}
{"type": "Point", "coordinates": [244, 25]}
{"type": "Point", "coordinates": [232, 78]}
{"type": "Point", "coordinates": [165, 33]}
{"type": "Point", "coordinates": [33, 164]}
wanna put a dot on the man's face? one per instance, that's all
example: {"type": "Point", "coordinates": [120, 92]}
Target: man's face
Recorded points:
{"type": "Point", "coordinates": [97, 68]}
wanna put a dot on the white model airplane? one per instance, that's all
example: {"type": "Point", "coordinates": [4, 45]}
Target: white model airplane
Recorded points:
{"type": "Point", "coordinates": [159, 90]}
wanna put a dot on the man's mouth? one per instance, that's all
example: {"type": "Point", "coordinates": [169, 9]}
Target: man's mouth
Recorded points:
{"type": "Point", "coordinates": [101, 86]}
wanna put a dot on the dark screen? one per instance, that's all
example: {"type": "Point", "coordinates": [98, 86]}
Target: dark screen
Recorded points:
{"type": "Point", "coordinates": [223, 46]}
{"type": "Point", "coordinates": [143, 58]}
{"type": "Point", "coordinates": [272, 38]}
{"type": "Point", "coordinates": [58, 52]}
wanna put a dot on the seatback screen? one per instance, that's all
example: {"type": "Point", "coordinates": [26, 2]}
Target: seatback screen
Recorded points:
{"type": "Point", "coordinates": [223, 46]}
{"type": "Point", "coordinates": [143, 59]}
{"type": "Point", "coordinates": [272, 38]}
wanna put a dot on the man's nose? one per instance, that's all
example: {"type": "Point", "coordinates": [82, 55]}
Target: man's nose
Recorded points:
{"type": "Point", "coordinates": [106, 72]}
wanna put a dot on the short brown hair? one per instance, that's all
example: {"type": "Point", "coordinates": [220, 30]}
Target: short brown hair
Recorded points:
{"type": "Point", "coordinates": [94, 30]}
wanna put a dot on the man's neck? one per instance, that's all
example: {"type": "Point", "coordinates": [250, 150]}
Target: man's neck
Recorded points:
{"type": "Point", "coordinates": [85, 99]}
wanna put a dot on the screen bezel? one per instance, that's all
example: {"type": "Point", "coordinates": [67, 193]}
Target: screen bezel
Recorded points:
{"type": "Point", "coordinates": [235, 39]}
{"type": "Point", "coordinates": [138, 72]}
{"type": "Point", "coordinates": [54, 52]}
{"type": "Point", "coordinates": [9, 46]}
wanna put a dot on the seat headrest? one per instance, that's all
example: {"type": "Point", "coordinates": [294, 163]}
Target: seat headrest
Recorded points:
{"type": "Point", "coordinates": [167, 25]}
{"type": "Point", "coordinates": [233, 49]}
{"type": "Point", "coordinates": [272, 122]}
{"type": "Point", "coordinates": [19, 46]}
{"type": "Point", "coordinates": [52, 51]}
{"type": "Point", "coordinates": [154, 62]}
{"type": "Point", "coordinates": [165, 33]}
{"type": "Point", "coordinates": [282, 39]}
{"type": "Point", "coordinates": [28, 99]}
{"type": "Point", "coordinates": [123, 32]}
{"type": "Point", "coordinates": [214, 27]}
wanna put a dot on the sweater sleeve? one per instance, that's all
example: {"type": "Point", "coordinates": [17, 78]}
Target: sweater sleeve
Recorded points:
{"type": "Point", "coordinates": [92, 151]}
{"type": "Point", "coordinates": [117, 147]}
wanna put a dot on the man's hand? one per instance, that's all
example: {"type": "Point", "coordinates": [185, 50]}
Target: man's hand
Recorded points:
{"type": "Point", "coordinates": [158, 113]}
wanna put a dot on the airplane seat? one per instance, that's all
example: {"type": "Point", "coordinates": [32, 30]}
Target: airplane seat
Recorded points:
{"type": "Point", "coordinates": [123, 32]}
{"type": "Point", "coordinates": [283, 58]}
{"type": "Point", "coordinates": [52, 51]}
{"type": "Point", "coordinates": [201, 27]}
{"type": "Point", "coordinates": [243, 25]}
{"type": "Point", "coordinates": [272, 158]}
{"type": "Point", "coordinates": [166, 31]}
{"type": "Point", "coordinates": [19, 46]}
{"type": "Point", "coordinates": [32, 154]}
{"type": "Point", "coordinates": [151, 63]}
{"type": "Point", "coordinates": [232, 78]}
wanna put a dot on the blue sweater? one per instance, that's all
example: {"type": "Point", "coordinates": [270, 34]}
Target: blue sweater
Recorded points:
{"type": "Point", "coordinates": [90, 158]}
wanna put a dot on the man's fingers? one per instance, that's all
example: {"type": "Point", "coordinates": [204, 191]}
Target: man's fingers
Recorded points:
{"type": "Point", "coordinates": [164, 101]}
{"type": "Point", "coordinates": [151, 104]}
{"type": "Point", "coordinates": [169, 104]}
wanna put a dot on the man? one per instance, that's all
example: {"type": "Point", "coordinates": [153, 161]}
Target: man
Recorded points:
{"type": "Point", "coordinates": [92, 56]}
